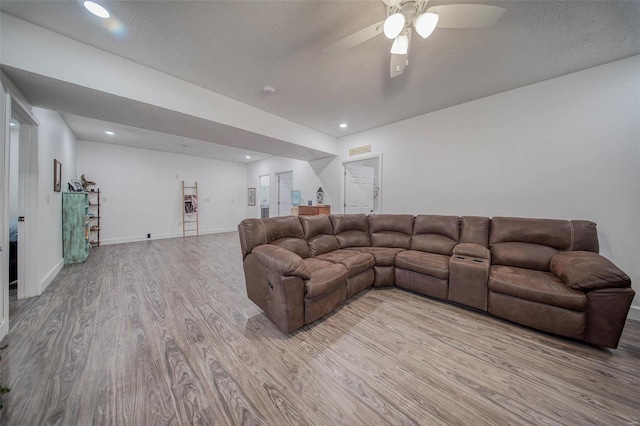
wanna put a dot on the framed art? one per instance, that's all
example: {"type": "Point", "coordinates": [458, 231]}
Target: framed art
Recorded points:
{"type": "Point", "coordinates": [57, 175]}
{"type": "Point", "coordinates": [251, 197]}
{"type": "Point", "coordinates": [77, 185]}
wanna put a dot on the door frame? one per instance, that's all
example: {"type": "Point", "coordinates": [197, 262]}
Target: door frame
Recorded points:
{"type": "Point", "coordinates": [28, 264]}
{"type": "Point", "coordinates": [376, 181]}
{"type": "Point", "coordinates": [276, 175]}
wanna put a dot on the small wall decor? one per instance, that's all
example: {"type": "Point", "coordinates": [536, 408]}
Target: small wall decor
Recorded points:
{"type": "Point", "coordinates": [57, 175]}
{"type": "Point", "coordinates": [251, 197]}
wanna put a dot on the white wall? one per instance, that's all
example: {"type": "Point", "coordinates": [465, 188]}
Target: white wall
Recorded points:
{"type": "Point", "coordinates": [55, 140]}
{"type": "Point", "coordinates": [141, 191]}
{"type": "Point", "coordinates": [565, 148]}
{"type": "Point", "coordinates": [308, 176]}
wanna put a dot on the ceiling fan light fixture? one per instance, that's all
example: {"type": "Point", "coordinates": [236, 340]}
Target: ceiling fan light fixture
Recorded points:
{"type": "Point", "coordinates": [400, 45]}
{"type": "Point", "coordinates": [393, 25]}
{"type": "Point", "coordinates": [426, 23]}
{"type": "Point", "coordinates": [96, 9]}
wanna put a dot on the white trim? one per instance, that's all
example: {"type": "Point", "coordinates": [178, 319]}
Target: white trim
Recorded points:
{"type": "Point", "coordinates": [51, 275]}
{"type": "Point", "coordinates": [634, 313]}
{"type": "Point", "coordinates": [4, 329]}
{"type": "Point", "coordinates": [162, 236]}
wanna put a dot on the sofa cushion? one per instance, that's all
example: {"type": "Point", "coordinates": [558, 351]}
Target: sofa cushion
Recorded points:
{"type": "Point", "coordinates": [432, 264]}
{"type": "Point", "coordinates": [383, 256]}
{"type": "Point", "coordinates": [318, 232]}
{"type": "Point", "coordinates": [351, 230]}
{"type": "Point", "coordinates": [536, 286]}
{"type": "Point", "coordinates": [337, 255]}
{"type": "Point", "coordinates": [391, 230]}
{"type": "Point", "coordinates": [584, 270]}
{"type": "Point", "coordinates": [325, 276]}
{"type": "Point", "coordinates": [523, 255]}
{"type": "Point", "coordinates": [435, 234]}
{"type": "Point", "coordinates": [585, 236]}
{"type": "Point", "coordinates": [475, 229]}
{"type": "Point", "coordinates": [358, 263]}
{"type": "Point", "coordinates": [296, 245]}
{"type": "Point", "coordinates": [528, 243]}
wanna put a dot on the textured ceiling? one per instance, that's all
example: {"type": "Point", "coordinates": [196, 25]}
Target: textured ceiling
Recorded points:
{"type": "Point", "coordinates": [236, 47]}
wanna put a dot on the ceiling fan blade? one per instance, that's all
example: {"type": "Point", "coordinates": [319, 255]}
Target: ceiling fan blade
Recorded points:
{"type": "Point", "coordinates": [354, 39]}
{"type": "Point", "coordinates": [398, 63]}
{"type": "Point", "coordinates": [467, 15]}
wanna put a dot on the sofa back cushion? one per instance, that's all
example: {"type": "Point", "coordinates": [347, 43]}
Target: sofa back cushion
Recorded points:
{"type": "Point", "coordinates": [351, 230]}
{"type": "Point", "coordinates": [286, 232]}
{"type": "Point", "coordinates": [585, 236]}
{"type": "Point", "coordinates": [391, 230]}
{"type": "Point", "coordinates": [251, 233]}
{"type": "Point", "coordinates": [528, 243]}
{"type": "Point", "coordinates": [435, 234]}
{"type": "Point", "coordinates": [318, 232]}
{"type": "Point", "coordinates": [475, 230]}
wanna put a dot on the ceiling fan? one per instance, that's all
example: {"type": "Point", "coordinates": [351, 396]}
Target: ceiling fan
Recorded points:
{"type": "Point", "coordinates": [402, 15]}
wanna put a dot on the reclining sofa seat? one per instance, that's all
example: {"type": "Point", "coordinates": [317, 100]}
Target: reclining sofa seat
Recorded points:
{"type": "Point", "coordinates": [292, 288]}
{"type": "Point", "coordinates": [542, 273]}
{"type": "Point", "coordinates": [524, 288]}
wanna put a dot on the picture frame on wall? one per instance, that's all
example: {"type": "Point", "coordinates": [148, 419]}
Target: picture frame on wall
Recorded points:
{"type": "Point", "coordinates": [251, 197]}
{"type": "Point", "coordinates": [57, 176]}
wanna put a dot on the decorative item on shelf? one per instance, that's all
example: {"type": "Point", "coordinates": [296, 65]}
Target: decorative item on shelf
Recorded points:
{"type": "Point", "coordinates": [309, 202]}
{"type": "Point", "coordinates": [75, 186]}
{"type": "Point", "coordinates": [296, 197]}
{"type": "Point", "coordinates": [191, 204]}
{"type": "Point", "coordinates": [320, 196]}
{"type": "Point", "coordinates": [251, 197]}
{"type": "Point", "coordinates": [86, 184]}
{"type": "Point", "coordinates": [57, 175]}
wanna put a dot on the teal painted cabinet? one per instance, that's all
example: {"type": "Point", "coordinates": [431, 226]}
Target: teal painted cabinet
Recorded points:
{"type": "Point", "coordinates": [75, 227]}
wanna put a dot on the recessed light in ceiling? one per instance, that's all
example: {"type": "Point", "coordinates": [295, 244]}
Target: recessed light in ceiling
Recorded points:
{"type": "Point", "coordinates": [12, 124]}
{"type": "Point", "coordinates": [96, 9]}
{"type": "Point", "coordinates": [248, 157]}
{"type": "Point", "coordinates": [343, 125]}
{"type": "Point", "coordinates": [109, 132]}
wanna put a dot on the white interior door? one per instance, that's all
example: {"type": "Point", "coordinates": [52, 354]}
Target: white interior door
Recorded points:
{"type": "Point", "coordinates": [358, 189]}
{"type": "Point", "coordinates": [285, 185]}
{"type": "Point", "coordinates": [5, 114]}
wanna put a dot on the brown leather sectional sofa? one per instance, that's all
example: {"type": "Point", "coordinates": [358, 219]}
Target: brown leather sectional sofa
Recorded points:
{"type": "Point", "coordinates": [543, 273]}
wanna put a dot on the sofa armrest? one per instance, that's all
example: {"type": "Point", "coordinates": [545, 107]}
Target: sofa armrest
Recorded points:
{"type": "Point", "coordinates": [283, 261]}
{"type": "Point", "coordinates": [472, 250]}
{"type": "Point", "coordinates": [585, 270]}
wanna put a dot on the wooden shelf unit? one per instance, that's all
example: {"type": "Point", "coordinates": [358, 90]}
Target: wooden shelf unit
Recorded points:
{"type": "Point", "coordinates": [190, 209]}
{"type": "Point", "coordinates": [94, 221]}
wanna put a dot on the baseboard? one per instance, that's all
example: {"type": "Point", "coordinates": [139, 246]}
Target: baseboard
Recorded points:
{"type": "Point", "coordinates": [162, 236]}
{"type": "Point", "coordinates": [634, 313]}
{"type": "Point", "coordinates": [51, 275]}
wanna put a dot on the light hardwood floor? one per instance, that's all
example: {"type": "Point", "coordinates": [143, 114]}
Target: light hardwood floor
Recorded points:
{"type": "Point", "coordinates": [161, 332]}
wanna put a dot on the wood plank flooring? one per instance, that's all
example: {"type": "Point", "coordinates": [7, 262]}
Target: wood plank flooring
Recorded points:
{"type": "Point", "coordinates": [161, 332]}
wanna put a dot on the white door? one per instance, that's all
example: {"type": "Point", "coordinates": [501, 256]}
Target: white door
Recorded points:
{"type": "Point", "coordinates": [285, 185]}
{"type": "Point", "coordinates": [5, 114]}
{"type": "Point", "coordinates": [358, 189]}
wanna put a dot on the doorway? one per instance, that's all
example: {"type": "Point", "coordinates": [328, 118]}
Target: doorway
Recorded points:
{"type": "Point", "coordinates": [285, 185]}
{"type": "Point", "coordinates": [265, 190]}
{"type": "Point", "coordinates": [14, 155]}
{"type": "Point", "coordinates": [362, 185]}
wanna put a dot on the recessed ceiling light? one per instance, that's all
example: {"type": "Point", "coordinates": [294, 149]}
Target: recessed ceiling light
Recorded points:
{"type": "Point", "coordinates": [12, 124]}
{"type": "Point", "coordinates": [343, 125]}
{"type": "Point", "coordinates": [248, 157]}
{"type": "Point", "coordinates": [109, 132]}
{"type": "Point", "coordinates": [96, 9]}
